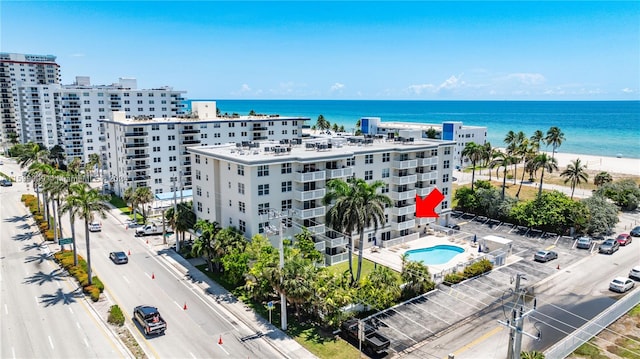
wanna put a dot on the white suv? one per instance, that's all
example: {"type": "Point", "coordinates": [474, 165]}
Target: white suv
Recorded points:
{"type": "Point", "coordinates": [635, 273]}
{"type": "Point", "coordinates": [95, 227]}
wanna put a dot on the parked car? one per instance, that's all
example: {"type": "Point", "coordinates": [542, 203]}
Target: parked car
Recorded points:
{"type": "Point", "coordinates": [609, 246]}
{"type": "Point", "coordinates": [545, 256]}
{"type": "Point", "coordinates": [119, 257]}
{"type": "Point", "coordinates": [635, 232]}
{"type": "Point", "coordinates": [635, 273]}
{"type": "Point", "coordinates": [621, 284]}
{"type": "Point", "coordinates": [95, 227]}
{"type": "Point", "coordinates": [6, 183]}
{"type": "Point", "coordinates": [624, 239]}
{"type": "Point", "coordinates": [584, 242]}
{"type": "Point", "coordinates": [374, 342]}
{"type": "Point", "coordinates": [453, 226]}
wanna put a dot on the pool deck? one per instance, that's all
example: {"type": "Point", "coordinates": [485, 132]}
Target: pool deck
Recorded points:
{"type": "Point", "coordinates": [391, 257]}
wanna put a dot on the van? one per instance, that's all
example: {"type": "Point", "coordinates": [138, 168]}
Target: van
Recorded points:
{"type": "Point", "coordinates": [584, 243]}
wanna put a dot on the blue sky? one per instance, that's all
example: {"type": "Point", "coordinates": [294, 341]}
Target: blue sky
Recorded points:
{"type": "Point", "coordinates": [341, 50]}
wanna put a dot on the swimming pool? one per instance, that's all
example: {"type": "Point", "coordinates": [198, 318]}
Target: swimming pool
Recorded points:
{"type": "Point", "coordinates": [439, 254]}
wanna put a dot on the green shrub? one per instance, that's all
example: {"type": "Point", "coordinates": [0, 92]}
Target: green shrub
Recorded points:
{"type": "Point", "coordinates": [38, 218]}
{"type": "Point", "coordinates": [453, 278]}
{"type": "Point", "coordinates": [49, 235]}
{"type": "Point", "coordinates": [92, 291]}
{"type": "Point", "coordinates": [116, 316]}
{"type": "Point", "coordinates": [98, 283]}
{"type": "Point", "coordinates": [83, 278]}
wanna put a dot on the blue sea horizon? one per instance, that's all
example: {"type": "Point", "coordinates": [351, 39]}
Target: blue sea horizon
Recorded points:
{"type": "Point", "coordinates": [598, 128]}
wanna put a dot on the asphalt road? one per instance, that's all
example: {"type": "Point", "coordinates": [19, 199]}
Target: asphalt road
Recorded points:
{"type": "Point", "coordinates": [44, 314]}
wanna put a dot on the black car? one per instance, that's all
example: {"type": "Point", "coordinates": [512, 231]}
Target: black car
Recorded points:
{"type": "Point", "coordinates": [6, 183]}
{"type": "Point", "coordinates": [453, 226]}
{"type": "Point", "coordinates": [119, 257]}
{"type": "Point", "coordinates": [635, 232]}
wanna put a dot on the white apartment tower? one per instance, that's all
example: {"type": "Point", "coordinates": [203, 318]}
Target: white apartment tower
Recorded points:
{"type": "Point", "coordinates": [26, 113]}
{"type": "Point", "coordinates": [237, 185]}
{"type": "Point", "coordinates": [152, 152]}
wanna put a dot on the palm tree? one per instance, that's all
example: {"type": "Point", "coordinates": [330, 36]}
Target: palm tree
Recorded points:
{"type": "Point", "coordinates": [602, 178]}
{"type": "Point", "coordinates": [576, 174]}
{"type": "Point", "coordinates": [87, 202]}
{"type": "Point", "coordinates": [546, 163]}
{"type": "Point", "coordinates": [143, 196]}
{"type": "Point", "coordinates": [504, 160]}
{"type": "Point", "coordinates": [530, 152]}
{"type": "Point", "coordinates": [357, 206]}
{"type": "Point", "coordinates": [555, 137]}
{"type": "Point", "coordinates": [514, 142]}
{"type": "Point", "coordinates": [29, 154]}
{"type": "Point", "coordinates": [473, 152]}
{"type": "Point", "coordinates": [532, 355]}
{"type": "Point", "coordinates": [322, 124]}
{"type": "Point", "coordinates": [93, 161]}
{"type": "Point", "coordinates": [130, 198]}
{"type": "Point", "coordinates": [57, 155]}
{"type": "Point", "coordinates": [204, 244]}
{"type": "Point", "coordinates": [536, 138]}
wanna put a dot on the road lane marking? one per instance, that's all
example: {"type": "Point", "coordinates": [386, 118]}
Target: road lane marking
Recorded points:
{"type": "Point", "coordinates": [126, 280]}
{"type": "Point", "coordinates": [13, 352]}
{"type": "Point", "coordinates": [86, 342]}
{"type": "Point", "coordinates": [78, 325]}
{"type": "Point", "coordinates": [71, 310]}
{"type": "Point", "coordinates": [6, 310]}
{"type": "Point", "coordinates": [461, 223]}
{"type": "Point", "coordinates": [550, 247]}
{"type": "Point", "coordinates": [58, 284]}
{"type": "Point", "coordinates": [51, 342]}
{"type": "Point", "coordinates": [37, 303]}
{"type": "Point", "coordinates": [179, 306]}
{"type": "Point", "coordinates": [223, 349]}
{"type": "Point", "coordinates": [193, 356]}
{"type": "Point", "coordinates": [478, 340]}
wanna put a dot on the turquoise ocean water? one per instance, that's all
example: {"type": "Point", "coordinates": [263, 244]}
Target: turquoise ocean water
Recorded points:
{"type": "Point", "coordinates": [600, 128]}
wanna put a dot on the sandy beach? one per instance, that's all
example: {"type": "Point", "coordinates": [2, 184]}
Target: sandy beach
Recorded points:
{"type": "Point", "coordinates": [613, 165]}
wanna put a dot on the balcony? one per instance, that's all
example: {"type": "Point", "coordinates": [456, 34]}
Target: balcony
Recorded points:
{"type": "Point", "coordinates": [337, 242]}
{"type": "Point", "coordinates": [399, 180]}
{"type": "Point", "coordinates": [138, 167]}
{"type": "Point", "coordinates": [401, 211]}
{"type": "Point", "coordinates": [319, 229]}
{"type": "Point", "coordinates": [336, 258]}
{"type": "Point", "coordinates": [404, 164]}
{"type": "Point", "coordinates": [135, 133]}
{"type": "Point", "coordinates": [259, 128]}
{"type": "Point", "coordinates": [136, 144]}
{"type": "Point", "coordinates": [339, 173]}
{"type": "Point", "coordinates": [300, 195]}
{"type": "Point", "coordinates": [188, 131]}
{"type": "Point", "coordinates": [310, 176]}
{"type": "Point", "coordinates": [400, 196]}
{"type": "Point", "coordinates": [138, 155]}
{"type": "Point", "coordinates": [190, 142]}
{"type": "Point", "coordinates": [399, 226]}
{"type": "Point", "coordinates": [424, 191]}
{"type": "Point", "coordinates": [259, 138]}
{"type": "Point", "coordinates": [312, 212]}
{"type": "Point", "coordinates": [138, 178]}
{"type": "Point", "coordinates": [429, 161]}
{"type": "Point", "coordinates": [320, 246]}
{"type": "Point", "coordinates": [427, 176]}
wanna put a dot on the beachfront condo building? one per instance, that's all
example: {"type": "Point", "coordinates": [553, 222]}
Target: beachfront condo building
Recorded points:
{"type": "Point", "coordinates": [152, 151]}
{"type": "Point", "coordinates": [26, 114]}
{"type": "Point", "coordinates": [449, 130]}
{"type": "Point", "coordinates": [253, 186]}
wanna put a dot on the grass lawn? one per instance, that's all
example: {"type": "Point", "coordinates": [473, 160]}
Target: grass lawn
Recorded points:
{"type": "Point", "coordinates": [314, 339]}
{"type": "Point", "coordinates": [120, 204]}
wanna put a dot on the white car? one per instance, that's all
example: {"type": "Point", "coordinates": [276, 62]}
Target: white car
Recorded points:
{"type": "Point", "coordinates": [635, 273]}
{"type": "Point", "coordinates": [95, 227]}
{"type": "Point", "coordinates": [621, 284]}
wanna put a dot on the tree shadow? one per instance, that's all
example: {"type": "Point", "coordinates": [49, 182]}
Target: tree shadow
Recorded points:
{"type": "Point", "coordinates": [24, 226]}
{"type": "Point", "coordinates": [17, 218]}
{"type": "Point", "coordinates": [41, 278]}
{"type": "Point", "coordinates": [60, 297]}
{"type": "Point", "coordinates": [39, 258]}
{"type": "Point", "coordinates": [23, 236]}
{"type": "Point", "coordinates": [28, 247]}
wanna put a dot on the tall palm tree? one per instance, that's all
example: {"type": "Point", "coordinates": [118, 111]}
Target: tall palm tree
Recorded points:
{"type": "Point", "coordinates": [357, 206]}
{"type": "Point", "coordinates": [143, 196]}
{"type": "Point", "coordinates": [57, 155]}
{"type": "Point", "coordinates": [130, 198]}
{"type": "Point", "coordinates": [94, 160]}
{"type": "Point", "coordinates": [29, 154]}
{"type": "Point", "coordinates": [514, 142]}
{"type": "Point", "coordinates": [544, 162]}
{"type": "Point", "coordinates": [487, 152]}
{"type": "Point", "coordinates": [530, 152]}
{"type": "Point", "coordinates": [473, 152]}
{"type": "Point", "coordinates": [204, 244]}
{"type": "Point", "coordinates": [504, 160]}
{"type": "Point", "coordinates": [555, 137]}
{"type": "Point", "coordinates": [575, 173]}
{"type": "Point", "coordinates": [532, 355]}
{"type": "Point", "coordinates": [322, 124]}
{"type": "Point", "coordinates": [602, 178]}
{"type": "Point", "coordinates": [536, 139]}
{"type": "Point", "coordinates": [89, 203]}
{"type": "Point", "coordinates": [39, 172]}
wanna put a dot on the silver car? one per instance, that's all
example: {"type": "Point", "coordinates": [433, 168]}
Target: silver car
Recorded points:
{"type": "Point", "coordinates": [545, 256]}
{"type": "Point", "coordinates": [609, 246]}
{"type": "Point", "coordinates": [584, 242]}
{"type": "Point", "coordinates": [621, 284]}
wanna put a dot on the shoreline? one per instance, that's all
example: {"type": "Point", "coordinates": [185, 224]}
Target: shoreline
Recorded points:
{"type": "Point", "coordinates": [613, 165]}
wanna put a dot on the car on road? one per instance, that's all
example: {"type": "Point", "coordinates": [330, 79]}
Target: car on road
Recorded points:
{"type": "Point", "coordinates": [95, 227]}
{"type": "Point", "coordinates": [584, 243]}
{"type": "Point", "coordinates": [149, 319]}
{"type": "Point", "coordinates": [119, 257]}
{"type": "Point", "coordinates": [453, 226]}
{"type": "Point", "coordinates": [609, 246]}
{"type": "Point", "coordinates": [6, 183]}
{"type": "Point", "coordinates": [634, 273]}
{"type": "Point", "coordinates": [621, 284]}
{"type": "Point", "coordinates": [545, 256]}
{"type": "Point", "coordinates": [624, 239]}
{"type": "Point", "coordinates": [635, 232]}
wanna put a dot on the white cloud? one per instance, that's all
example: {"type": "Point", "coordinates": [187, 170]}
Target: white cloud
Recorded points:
{"type": "Point", "coordinates": [451, 83]}
{"type": "Point", "coordinates": [627, 90]}
{"type": "Point", "coordinates": [245, 88]}
{"type": "Point", "coordinates": [77, 55]}
{"type": "Point", "coordinates": [418, 89]}
{"type": "Point", "coordinates": [336, 87]}
{"type": "Point", "coordinates": [527, 78]}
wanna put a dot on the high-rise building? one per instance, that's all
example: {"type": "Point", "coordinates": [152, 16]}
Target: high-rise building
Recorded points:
{"type": "Point", "coordinates": [22, 76]}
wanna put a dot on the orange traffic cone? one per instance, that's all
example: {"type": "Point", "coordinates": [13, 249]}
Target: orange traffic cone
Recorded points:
{"type": "Point", "coordinates": [185, 306]}
{"type": "Point", "coordinates": [558, 267]}
{"type": "Point", "coordinates": [220, 340]}
{"type": "Point", "coordinates": [147, 241]}
{"type": "Point", "coordinates": [153, 276]}
{"type": "Point", "coordinates": [129, 253]}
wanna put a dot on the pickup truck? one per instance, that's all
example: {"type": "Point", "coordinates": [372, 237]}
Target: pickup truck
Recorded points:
{"type": "Point", "coordinates": [149, 319]}
{"type": "Point", "coordinates": [150, 230]}
{"type": "Point", "coordinates": [373, 342]}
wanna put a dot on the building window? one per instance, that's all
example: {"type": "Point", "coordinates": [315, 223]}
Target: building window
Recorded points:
{"type": "Point", "coordinates": [199, 206]}
{"type": "Point", "coordinates": [447, 150]}
{"type": "Point", "coordinates": [199, 190]}
{"type": "Point", "coordinates": [368, 175]}
{"type": "Point", "coordinates": [171, 127]}
{"type": "Point", "coordinates": [286, 168]}
{"type": "Point", "coordinates": [241, 170]}
{"type": "Point", "coordinates": [351, 161]}
{"type": "Point", "coordinates": [286, 186]}
{"type": "Point", "coordinates": [445, 191]}
{"type": "Point", "coordinates": [262, 226]}
{"type": "Point", "coordinates": [385, 189]}
{"type": "Point", "coordinates": [386, 157]}
{"type": "Point", "coordinates": [241, 207]}
{"type": "Point", "coordinates": [197, 158]}
{"type": "Point", "coordinates": [157, 170]}
{"type": "Point", "coordinates": [240, 188]}
{"type": "Point", "coordinates": [263, 171]}
{"type": "Point", "coordinates": [197, 174]}
{"type": "Point", "coordinates": [444, 205]}
{"type": "Point", "coordinates": [242, 226]}
{"type": "Point", "coordinates": [445, 178]}
{"type": "Point", "coordinates": [368, 159]}
{"type": "Point", "coordinates": [286, 204]}
{"type": "Point", "coordinates": [445, 164]}
{"type": "Point", "coordinates": [172, 137]}
{"type": "Point", "coordinates": [263, 208]}
{"type": "Point", "coordinates": [263, 189]}
{"type": "Point", "coordinates": [385, 173]}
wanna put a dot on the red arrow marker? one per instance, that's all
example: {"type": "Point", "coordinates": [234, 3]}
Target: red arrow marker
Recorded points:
{"type": "Point", "coordinates": [427, 207]}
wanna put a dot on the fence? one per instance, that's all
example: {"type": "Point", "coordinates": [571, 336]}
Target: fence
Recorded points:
{"type": "Point", "coordinates": [570, 343]}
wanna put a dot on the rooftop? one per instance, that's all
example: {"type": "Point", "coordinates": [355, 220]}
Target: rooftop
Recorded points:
{"type": "Point", "coordinates": [119, 117]}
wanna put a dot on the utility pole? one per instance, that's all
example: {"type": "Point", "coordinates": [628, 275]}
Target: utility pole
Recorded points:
{"type": "Point", "coordinates": [175, 215]}
{"type": "Point", "coordinates": [515, 323]}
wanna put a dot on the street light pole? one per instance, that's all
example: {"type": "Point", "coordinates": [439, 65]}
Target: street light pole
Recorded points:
{"type": "Point", "coordinates": [175, 216]}
{"type": "Point", "coordinates": [277, 215]}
